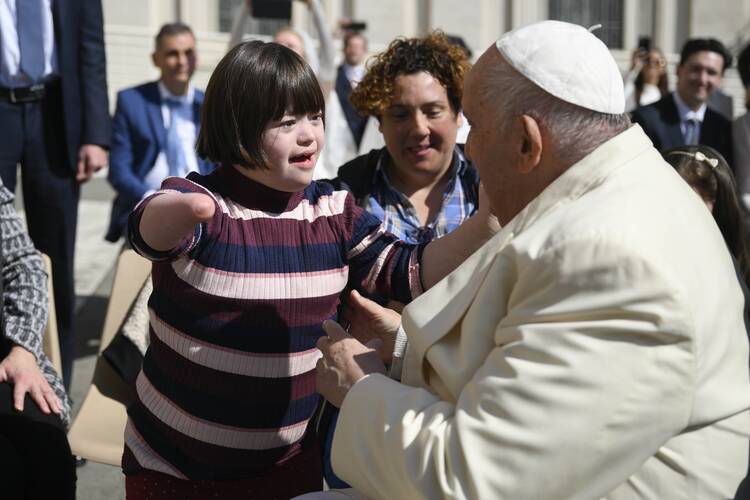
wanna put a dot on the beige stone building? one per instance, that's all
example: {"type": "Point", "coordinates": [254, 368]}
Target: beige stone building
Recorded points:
{"type": "Point", "coordinates": [130, 26]}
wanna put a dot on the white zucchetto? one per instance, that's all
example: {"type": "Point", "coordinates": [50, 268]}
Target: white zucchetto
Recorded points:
{"type": "Point", "coordinates": [567, 61]}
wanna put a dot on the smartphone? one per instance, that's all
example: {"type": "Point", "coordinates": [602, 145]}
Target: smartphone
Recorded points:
{"type": "Point", "coordinates": [644, 44]}
{"type": "Point", "coordinates": [272, 9]}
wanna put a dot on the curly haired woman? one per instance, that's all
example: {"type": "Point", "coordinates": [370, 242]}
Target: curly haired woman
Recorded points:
{"type": "Point", "coordinates": [420, 184]}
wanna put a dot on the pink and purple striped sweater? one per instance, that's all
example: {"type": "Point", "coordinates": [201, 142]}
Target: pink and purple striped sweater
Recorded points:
{"type": "Point", "coordinates": [228, 382]}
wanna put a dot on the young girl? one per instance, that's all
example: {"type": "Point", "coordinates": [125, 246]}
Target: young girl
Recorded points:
{"type": "Point", "coordinates": [708, 173]}
{"type": "Point", "coordinates": [248, 262]}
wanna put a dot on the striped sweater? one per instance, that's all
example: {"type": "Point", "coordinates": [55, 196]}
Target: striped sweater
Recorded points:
{"type": "Point", "coordinates": [228, 381]}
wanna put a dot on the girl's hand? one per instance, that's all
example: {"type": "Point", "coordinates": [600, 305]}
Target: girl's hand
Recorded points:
{"type": "Point", "coordinates": [20, 369]}
{"type": "Point", "coordinates": [484, 212]}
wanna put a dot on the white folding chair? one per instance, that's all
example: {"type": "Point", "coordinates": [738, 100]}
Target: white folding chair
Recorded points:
{"type": "Point", "coordinates": [97, 431]}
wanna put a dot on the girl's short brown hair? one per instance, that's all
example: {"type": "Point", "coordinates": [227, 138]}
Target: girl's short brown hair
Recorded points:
{"type": "Point", "coordinates": [254, 84]}
{"type": "Point", "coordinates": [433, 54]}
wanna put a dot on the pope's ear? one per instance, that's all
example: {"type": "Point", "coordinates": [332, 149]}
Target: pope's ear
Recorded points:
{"type": "Point", "coordinates": [531, 144]}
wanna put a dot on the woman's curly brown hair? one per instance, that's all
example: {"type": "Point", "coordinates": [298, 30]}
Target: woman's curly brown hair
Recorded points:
{"type": "Point", "coordinates": [433, 54]}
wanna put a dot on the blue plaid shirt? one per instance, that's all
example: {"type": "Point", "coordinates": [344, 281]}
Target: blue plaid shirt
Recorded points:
{"type": "Point", "coordinates": [460, 201]}
{"type": "Point", "coordinates": [400, 217]}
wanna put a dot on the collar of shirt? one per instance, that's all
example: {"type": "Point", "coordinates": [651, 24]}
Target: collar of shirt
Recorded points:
{"type": "Point", "coordinates": [187, 98]}
{"type": "Point", "coordinates": [685, 113]}
{"type": "Point", "coordinates": [354, 73]}
{"type": "Point", "coordinates": [399, 216]}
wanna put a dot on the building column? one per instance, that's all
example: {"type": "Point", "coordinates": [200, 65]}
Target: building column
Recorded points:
{"type": "Point", "coordinates": [630, 28]}
{"type": "Point", "coordinates": [523, 12]}
{"type": "Point", "coordinates": [492, 21]}
{"type": "Point", "coordinates": [334, 10]}
{"type": "Point", "coordinates": [665, 26]}
{"type": "Point", "coordinates": [410, 18]}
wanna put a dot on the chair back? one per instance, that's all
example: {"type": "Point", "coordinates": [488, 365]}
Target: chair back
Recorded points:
{"type": "Point", "coordinates": [51, 342]}
{"type": "Point", "coordinates": [97, 430]}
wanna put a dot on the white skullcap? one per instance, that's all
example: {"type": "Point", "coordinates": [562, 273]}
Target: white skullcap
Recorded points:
{"type": "Point", "coordinates": [567, 61]}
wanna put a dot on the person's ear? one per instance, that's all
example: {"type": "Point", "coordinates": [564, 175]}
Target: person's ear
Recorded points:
{"type": "Point", "coordinates": [154, 59]}
{"type": "Point", "coordinates": [530, 154]}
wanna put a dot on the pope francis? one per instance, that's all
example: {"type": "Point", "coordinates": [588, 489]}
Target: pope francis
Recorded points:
{"type": "Point", "coordinates": [595, 347]}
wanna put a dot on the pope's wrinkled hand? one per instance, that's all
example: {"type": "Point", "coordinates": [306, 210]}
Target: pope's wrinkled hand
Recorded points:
{"type": "Point", "coordinates": [345, 361]}
{"type": "Point", "coordinates": [369, 320]}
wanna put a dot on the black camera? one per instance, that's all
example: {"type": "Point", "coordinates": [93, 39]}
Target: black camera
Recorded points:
{"type": "Point", "coordinates": [644, 44]}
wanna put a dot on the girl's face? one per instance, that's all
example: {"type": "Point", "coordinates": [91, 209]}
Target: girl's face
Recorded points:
{"type": "Point", "coordinates": [292, 146]}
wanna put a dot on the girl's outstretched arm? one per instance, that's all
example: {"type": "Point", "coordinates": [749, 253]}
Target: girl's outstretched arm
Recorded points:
{"type": "Point", "coordinates": [444, 254]}
{"type": "Point", "coordinates": [169, 217]}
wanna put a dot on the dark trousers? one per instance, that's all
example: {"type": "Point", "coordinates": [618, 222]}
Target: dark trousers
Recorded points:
{"type": "Point", "coordinates": [32, 134]}
{"type": "Point", "coordinates": [35, 458]}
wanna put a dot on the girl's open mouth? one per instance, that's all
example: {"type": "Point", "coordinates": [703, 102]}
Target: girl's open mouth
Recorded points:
{"type": "Point", "coordinates": [302, 160]}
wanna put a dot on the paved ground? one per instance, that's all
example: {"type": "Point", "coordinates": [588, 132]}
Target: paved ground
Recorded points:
{"type": "Point", "coordinates": [95, 259]}
{"type": "Point", "coordinates": [94, 264]}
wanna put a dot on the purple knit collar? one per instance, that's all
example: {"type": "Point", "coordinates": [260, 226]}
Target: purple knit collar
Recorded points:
{"type": "Point", "coordinates": [254, 195]}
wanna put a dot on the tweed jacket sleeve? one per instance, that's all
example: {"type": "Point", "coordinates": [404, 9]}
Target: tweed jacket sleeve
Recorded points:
{"type": "Point", "coordinates": [25, 296]}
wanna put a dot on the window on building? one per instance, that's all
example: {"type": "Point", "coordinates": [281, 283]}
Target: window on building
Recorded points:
{"type": "Point", "coordinates": [608, 13]}
{"type": "Point", "coordinates": [227, 9]}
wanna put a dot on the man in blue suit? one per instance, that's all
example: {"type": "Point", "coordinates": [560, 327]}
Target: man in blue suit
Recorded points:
{"type": "Point", "coordinates": [54, 122]}
{"type": "Point", "coordinates": [683, 117]}
{"type": "Point", "coordinates": [155, 126]}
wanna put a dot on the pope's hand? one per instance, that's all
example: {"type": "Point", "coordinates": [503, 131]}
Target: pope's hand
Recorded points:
{"type": "Point", "coordinates": [369, 320]}
{"type": "Point", "coordinates": [345, 361]}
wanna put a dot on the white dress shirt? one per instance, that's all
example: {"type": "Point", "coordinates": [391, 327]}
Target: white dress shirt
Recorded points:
{"type": "Point", "coordinates": [354, 73]}
{"type": "Point", "coordinates": [10, 54]}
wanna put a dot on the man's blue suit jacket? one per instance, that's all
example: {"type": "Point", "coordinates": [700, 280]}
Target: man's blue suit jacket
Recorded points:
{"type": "Point", "coordinates": [138, 138]}
{"type": "Point", "coordinates": [661, 122]}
